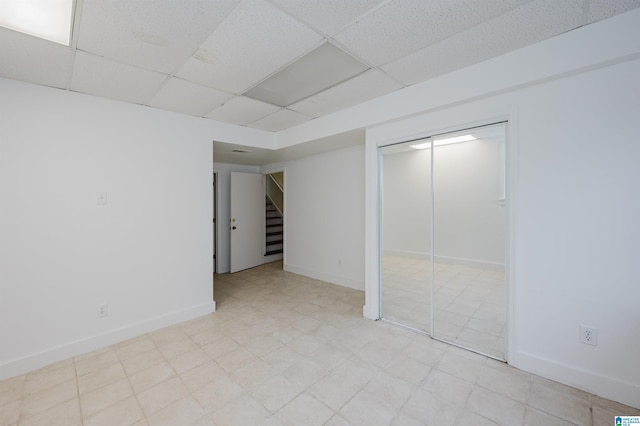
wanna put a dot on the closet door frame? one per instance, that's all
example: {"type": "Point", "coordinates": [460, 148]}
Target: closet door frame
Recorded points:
{"type": "Point", "coordinates": [373, 222]}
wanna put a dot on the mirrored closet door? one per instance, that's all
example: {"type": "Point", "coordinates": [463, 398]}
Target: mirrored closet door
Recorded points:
{"type": "Point", "coordinates": [443, 237]}
{"type": "Point", "coordinates": [406, 234]}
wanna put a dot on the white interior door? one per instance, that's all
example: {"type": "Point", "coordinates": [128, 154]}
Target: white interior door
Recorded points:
{"type": "Point", "coordinates": [247, 220]}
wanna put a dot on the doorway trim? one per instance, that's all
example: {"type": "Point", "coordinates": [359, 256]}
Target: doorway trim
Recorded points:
{"type": "Point", "coordinates": [215, 223]}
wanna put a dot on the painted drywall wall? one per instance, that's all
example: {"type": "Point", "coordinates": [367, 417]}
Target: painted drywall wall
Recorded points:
{"type": "Point", "coordinates": [573, 169]}
{"type": "Point", "coordinates": [324, 223]}
{"type": "Point", "coordinates": [223, 172]}
{"type": "Point", "coordinates": [406, 203]}
{"type": "Point", "coordinates": [146, 252]}
{"type": "Point", "coordinates": [469, 226]}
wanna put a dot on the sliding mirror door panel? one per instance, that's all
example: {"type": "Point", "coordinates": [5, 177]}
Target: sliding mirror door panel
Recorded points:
{"type": "Point", "coordinates": [406, 235]}
{"type": "Point", "coordinates": [469, 300]}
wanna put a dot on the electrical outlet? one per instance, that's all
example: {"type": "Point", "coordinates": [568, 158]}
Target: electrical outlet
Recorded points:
{"type": "Point", "coordinates": [588, 335]}
{"type": "Point", "coordinates": [103, 310]}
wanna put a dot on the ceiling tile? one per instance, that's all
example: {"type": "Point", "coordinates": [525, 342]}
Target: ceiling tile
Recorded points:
{"type": "Point", "coordinates": [280, 120]}
{"type": "Point", "coordinates": [327, 16]}
{"type": "Point", "coordinates": [159, 35]}
{"type": "Point", "coordinates": [190, 98]}
{"type": "Point", "coordinates": [403, 26]}
{"type": "Point", "coordinates": [255, 40]}
{"type": "Point", "coordinates": [24, 56]}
{"type": "Point", "coordinates": [601, 9]}
{"type": "Point", "coordinates": [242, 110]}
{"type": "Point", "coordinates": [364, 87]}
{"type": "Point", "coordinates": [99, 76]}
{"type": "Point", "coordinates": [531, 23]}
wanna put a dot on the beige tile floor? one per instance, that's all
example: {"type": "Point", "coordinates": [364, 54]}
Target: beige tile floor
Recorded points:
{"type": "Point", "coordinates": [288, 350]}
{"type": "Point", "coordinates": [469, 302]}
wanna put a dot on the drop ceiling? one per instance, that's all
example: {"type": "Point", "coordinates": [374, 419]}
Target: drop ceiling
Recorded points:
{"type": "Point", "coordinates": [208, 58]}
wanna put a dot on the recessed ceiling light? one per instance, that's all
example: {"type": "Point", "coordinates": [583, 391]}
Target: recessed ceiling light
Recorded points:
{"type": "Point", "coordinates": [444, 141]}
{"type": "Point", "coordinates": [318, 70]}
{"type": "Point", "coordinates": [47, 19]}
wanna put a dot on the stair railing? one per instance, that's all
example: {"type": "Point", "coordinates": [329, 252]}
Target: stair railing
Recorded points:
{"type": "Point", "coordinates": [276, 194]}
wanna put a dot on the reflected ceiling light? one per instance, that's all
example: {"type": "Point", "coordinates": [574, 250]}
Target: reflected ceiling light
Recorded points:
{"type": "Point", "coordinates": [47, 19]}
{"type": "Point", "coordinates": [445, 141]}
{"type": "Point", "coordinates": [421, 145]}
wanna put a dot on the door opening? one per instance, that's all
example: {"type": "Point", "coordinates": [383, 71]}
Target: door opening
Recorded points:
{"type": "Point", "coordinates": [215, 222]}
{"type": "Point", "coordinates": [274, 216]}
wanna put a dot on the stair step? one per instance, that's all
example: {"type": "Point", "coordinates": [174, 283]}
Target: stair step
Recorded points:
{"type": "Point", "coordinates": [272, 243]}
{"type": "Point", "coordinates": [270, 234]}
{"type": "Point", "coordinates": [268, 253]}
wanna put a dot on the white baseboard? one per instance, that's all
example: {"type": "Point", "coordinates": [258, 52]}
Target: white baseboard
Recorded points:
{"type": "Point", "coordinates": [606, 387]}
{"type": "Point", "coordinates": [59, 353]}
{"type": "Point", "coordinates": [407, 253]}
{"type": "Point", "coordinates": [323, 276]}
{"type": "Point", "coordinates": [444, 259]}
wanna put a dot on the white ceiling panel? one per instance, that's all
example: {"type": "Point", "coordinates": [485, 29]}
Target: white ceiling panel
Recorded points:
{"type": "Point", "coordinates": [531, 23]}
{"type": "Point", "coordinates": [255, 40]}
{"type": "Point", "coordinates": [403, 26]}
{"type": "Point", "coordinates": [601, 9]}
{"type": "Point", "coordinates": [205, 57]}
{"type": "Point", "coordinates": [101, 77]}
{"type": "Point", "coordinates": [280, 120]}
{"type": "Point", "coordinates": [326, 16]}
{"type": "Point", "coordinates": [322, 145]}
{"type": "Point", "coordinates": [251, 156]}
{"type": "Point", "coordinates": [159, 35]}
{"type": "Point", "coordinates": [364, 87]}
{"type": "Point", "coordinates": [242, 110]}
{"type": "Point", "coordinates": [27, 58]}
{"type": "Point", "coordinates": [190, 98]}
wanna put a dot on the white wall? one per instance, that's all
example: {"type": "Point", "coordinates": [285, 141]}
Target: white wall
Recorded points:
{"type": "Point", "coordinates": [406, 203]}
{"type": "Point", "coordinates": [147, 253]}
{"type": "Point", "coordinates": [224, 210]}
{"type": "Point", "coordinates": [324, 217]}
{"type": "Point", "coordinates": [470, 220]}
{"type": "Point", "coordinates": [574, 219]}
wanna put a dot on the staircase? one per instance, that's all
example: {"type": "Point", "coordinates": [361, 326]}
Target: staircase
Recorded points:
{"type": "Point", "coordinates": [275, 229]}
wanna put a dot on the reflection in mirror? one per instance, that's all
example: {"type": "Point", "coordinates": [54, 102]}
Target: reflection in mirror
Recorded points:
{"type": "Point", "coordinates": [406, 235]}
{"type": "Point", "coordinates": [463, 299]}
{"type": "Point", "coordinates": [469, 299]}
